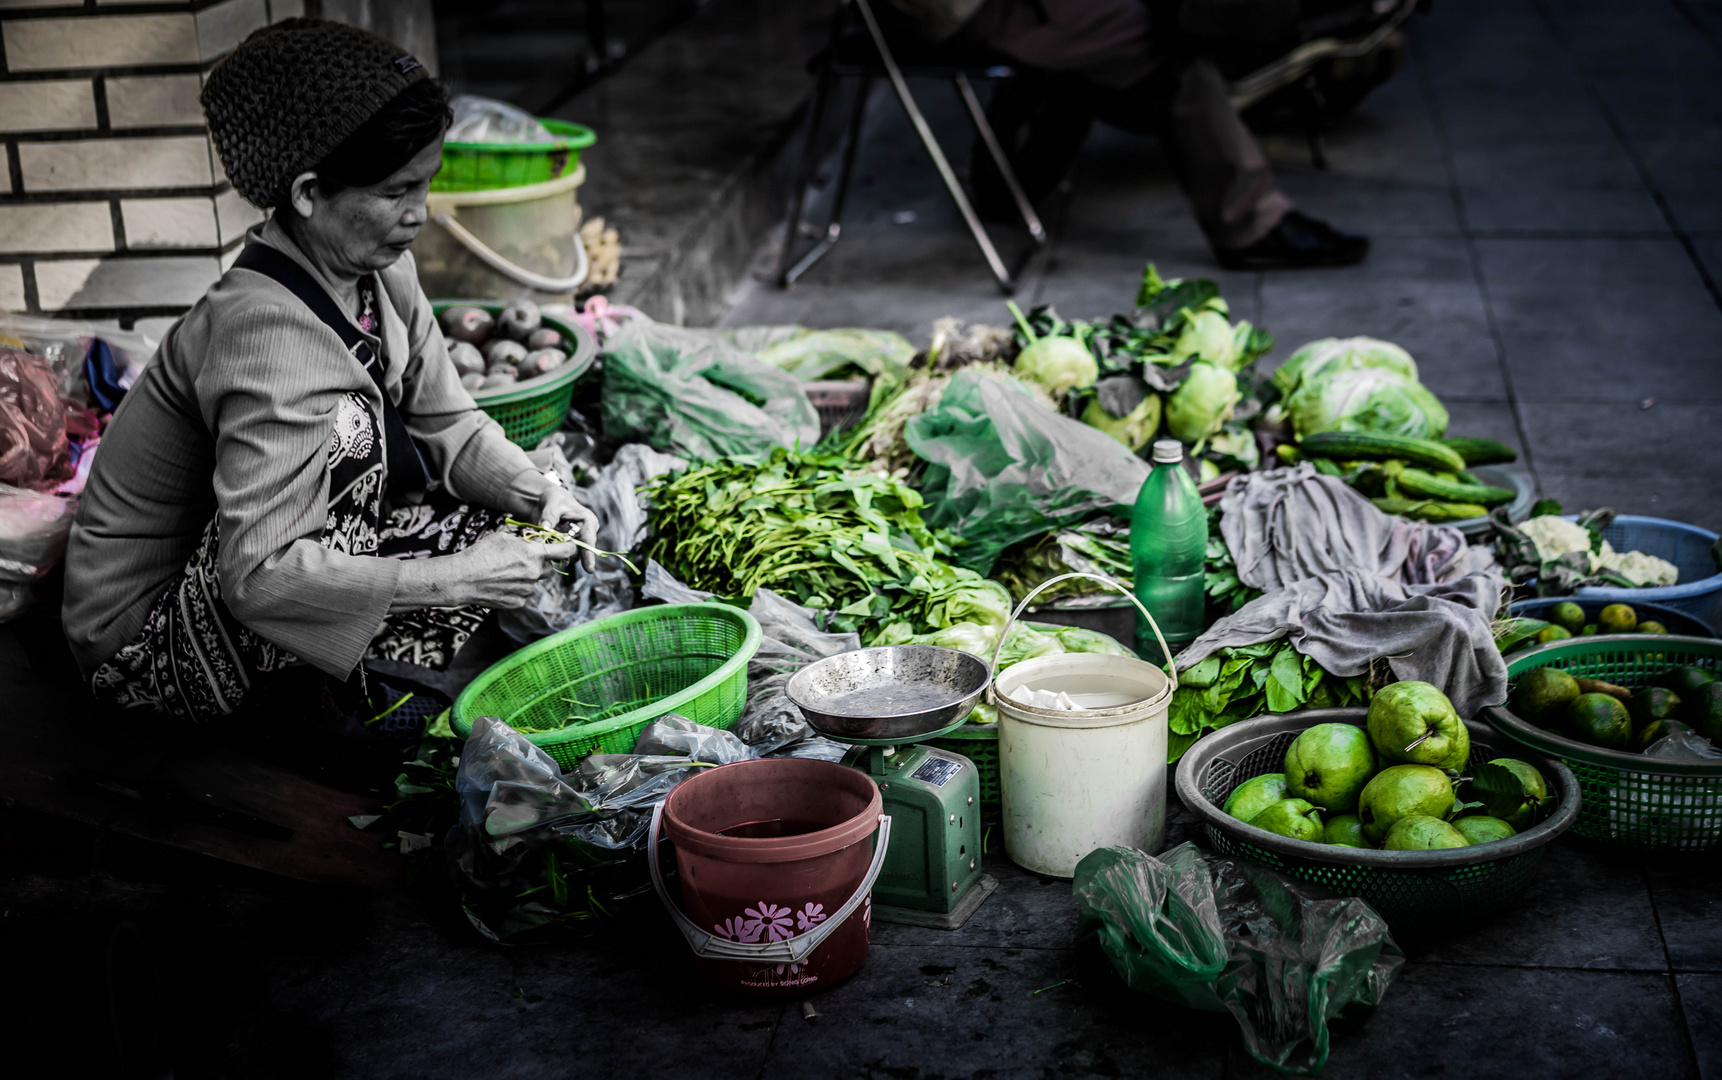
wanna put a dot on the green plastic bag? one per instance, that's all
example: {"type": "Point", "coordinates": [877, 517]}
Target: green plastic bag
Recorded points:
{"type": "Point", "coordinates": [693, 394]}
{"type": "Point", "coordinates": [1003, 468]}
{"type": "Point", "coordinates": [1227, 935]}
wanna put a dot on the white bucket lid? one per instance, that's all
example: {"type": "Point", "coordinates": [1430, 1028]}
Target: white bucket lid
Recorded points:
{"type": "Point", "coordinates": [1119, 671]}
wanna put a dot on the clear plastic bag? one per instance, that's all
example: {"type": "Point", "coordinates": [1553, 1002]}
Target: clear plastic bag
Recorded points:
{"type": "Point", "coordinates": [1003, 468]}
{"type": "Point", "coordinates": [691, 393]}
{"type": "Point", "coordinates": [486, 120]}
{"type": "Point", "coordinates": [95, 365]}
{"type": "Point", "coordinates": [1227, 935]}
{"type": "Point", "coordinates": [1683, 744]}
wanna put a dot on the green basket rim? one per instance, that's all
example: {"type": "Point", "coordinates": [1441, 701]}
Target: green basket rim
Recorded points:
{"type": "Point", "coordinates": [973, 732]}
{"type": "Point", "coordinates": [571, 136]}
{"type": "Point", "coordinates": [752, 634]}
{"type": "Point", "coordinates": [1520, 730]}
{"type": "Point", "coordinates": [585, 351]}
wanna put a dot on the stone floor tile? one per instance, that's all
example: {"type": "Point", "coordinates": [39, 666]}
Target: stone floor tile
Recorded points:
{"type": "Point", "coordinates": [934, 1012]}
{"type": "Point", "coordinates": [1578, 185]}
{"type": "Point", "coordinates": [1438, 1020]}
{"type": "Point", "coordinates": [1485, 419]}
{"type": "Point", "coordinates": [1587, 907]}
{"type": "Point", "coordinates": [1688, 172]}
{"type": "Point", "coordinates": [1688, 895]}
{"type": "Point", "coordinates": [1603, 320]}
{"type": "Point", "coordinates": [1695, 498]}
{"type": "Point", "coordinates": [1624, 441]}
{"type": "Point", "coordinates": [1028, 911]}
{"type": "Point", "coordinates": [1701, 999]}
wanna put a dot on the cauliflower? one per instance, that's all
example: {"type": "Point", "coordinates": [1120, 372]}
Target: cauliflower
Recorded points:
{"type": "Point", "coordinates": [1555, 536]}
{"type": "Point", "coordinates": [1641, 568]}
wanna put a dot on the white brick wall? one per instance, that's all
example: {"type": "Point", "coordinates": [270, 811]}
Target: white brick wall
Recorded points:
{"type": "Point", "coordinates": [115, 164]}
{"type": "Point", "coordinates": [105, 41]}
{"type": "Point", "coordinates": [153, 100]}
{"type": "Point", "coordinates": [49, 105]}
{"type": "Point", "coordinates": [11, 288]}
{"type": "Point", "coordinates": [170, 223]}
{"type": "Point", "coordinates": [124, 283]}
{"type": "Point", "coordinates": [78, 226]}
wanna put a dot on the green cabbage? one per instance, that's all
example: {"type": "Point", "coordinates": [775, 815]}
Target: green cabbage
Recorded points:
{"type": "Point", "coordinates": [1202, 402]}
{"type": "Point", "coordinates": [1319, 358]}
{"type": "Point", "coordinates": [975, 600]}
{"type": "Point", "coordinates": [1058, 364]}
{"type": "Point", "coordinates": [1366, 399]}
{"type": "Point", "coordinates": [1078, 639]}
{"type": "Point", "coordinates": [1133, 429]}
{"type": "Point", "coordinates": [1207, 336]}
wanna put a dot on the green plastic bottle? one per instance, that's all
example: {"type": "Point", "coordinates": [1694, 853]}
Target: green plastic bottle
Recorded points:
{"type": "Point", "coordinates": [1168, 543]}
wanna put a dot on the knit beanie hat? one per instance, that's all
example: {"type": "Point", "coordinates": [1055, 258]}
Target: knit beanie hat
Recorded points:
{"type": "Point", "coordinates": [291, 93]}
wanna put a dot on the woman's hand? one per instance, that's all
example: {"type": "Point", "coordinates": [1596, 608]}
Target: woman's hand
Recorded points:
{"type": "Point", "coordinates": [558, 510]}
{"type": "Point", "coordinates": [498, 571]}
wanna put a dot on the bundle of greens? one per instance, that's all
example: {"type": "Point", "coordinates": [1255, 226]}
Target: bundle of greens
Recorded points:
{"type": "Point", "coordinates": [1226, 593]}
{"type": "Point", "coordinates": [815, 529]}
{"type": "Point", "coordinates": [1239, 683]}
{"type": "Point", "coordinates": [1099, 546]}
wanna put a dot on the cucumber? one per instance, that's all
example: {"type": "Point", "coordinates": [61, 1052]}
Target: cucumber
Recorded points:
{"type": "Point", "coordinates": [1326, 466]}
{"type": "Point", "coordinates": [1287, 453]}
{"type": "Point", "coordinates": [1481, 451]}
{"type": "Point", "coordinates": [1379, 447]}
{"type": "Point", "coordinates": [1419, 482]}
{"type": "Point", "coordinates": [1430, 509]}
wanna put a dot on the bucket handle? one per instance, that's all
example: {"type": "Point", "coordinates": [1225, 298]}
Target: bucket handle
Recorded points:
{"type": "Point", "coordinates": [517, 274]}
{"type": "Point", "coordinates": [1109, 583]}
{"type": "Point", "coordinates": [791, 950]}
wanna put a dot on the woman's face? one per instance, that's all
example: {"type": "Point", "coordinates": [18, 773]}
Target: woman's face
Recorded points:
{"type": "Point", "coordinates": [360, 230]}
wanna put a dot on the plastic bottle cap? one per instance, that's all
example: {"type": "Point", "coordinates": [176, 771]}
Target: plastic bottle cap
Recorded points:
{"type": "Point", "coordinates": [1168, 451]}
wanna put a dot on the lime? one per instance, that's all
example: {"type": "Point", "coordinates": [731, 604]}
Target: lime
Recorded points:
{"type": "Point", "coordinates": [1420, 832]}
{"type": "Point", "coordinates": [1552, 633]}
{"type": "Point", "coordinates": [1655, 731]}
{"type": "Point", "coordinates": [1478, 829]}
{"type": "Point", "coordinates": [1255, 795]}
{"type": "Point", "coordinates": [1536, 791]}
{"type": "Point", "coordinates": [1589, 630]}
{"type": "Point", "coordinates": [1345, 830]}
{"type": "Point", "coordinates": [1651, 704]}
{"type": "Point", "coordinates": [1402, 791]}
{"type": "Point", "coordinates": [1650, 626]}
{"type": "Point", "coordinates": [1415, 722]}
{"type": "Point", "coordinates": [1567, 614]}
{"type": "Point", "coordinates": [1328, 765]}
{"type": "Point", "coordinates": [1703, 710]}
{"type": "Point", "coordinates": [1542, 695]}
{"type": "Point", "coordinates": [1616, 619]}
{"type": "Point", "coordinates": [1601, 720]}
{"type": "Point", "coordinates": [1684, 680]}
{"type": "Point", "coordinates": [1295, 818]}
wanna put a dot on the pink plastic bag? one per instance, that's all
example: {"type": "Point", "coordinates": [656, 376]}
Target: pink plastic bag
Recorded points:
{"type": "Point", "coordinates": [33, 451]}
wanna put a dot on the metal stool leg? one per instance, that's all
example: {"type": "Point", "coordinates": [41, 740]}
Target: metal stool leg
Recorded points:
{"type": "Point", "coordinates": [804, 173]}
{"type": "Point", "coordinates": [984, 129]}
{"type": "Point", "coordinates": [840, 196]}
{"type": "Point", "coordinates": [958, 195]}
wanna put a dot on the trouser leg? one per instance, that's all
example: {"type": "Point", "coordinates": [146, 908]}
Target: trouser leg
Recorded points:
{"type": "Point", "coordinates": [1219, 164]}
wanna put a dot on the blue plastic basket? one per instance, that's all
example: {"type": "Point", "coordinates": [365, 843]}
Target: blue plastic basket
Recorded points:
{"type": "Point", "coordinates": [1673, 620]}
{"type": "Point", "coordinates": [1699, 590]}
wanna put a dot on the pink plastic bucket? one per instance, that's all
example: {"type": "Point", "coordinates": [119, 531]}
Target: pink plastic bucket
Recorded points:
{"type": "Point", "coordinates": [777, 866]}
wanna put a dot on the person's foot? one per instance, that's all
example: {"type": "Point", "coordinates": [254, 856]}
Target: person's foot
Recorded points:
{"type": "Point", "coordinates": [1297, 241]}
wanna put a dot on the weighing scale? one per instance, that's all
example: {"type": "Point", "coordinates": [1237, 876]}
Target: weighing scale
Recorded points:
{"type": "Point", "coordinates": [887, 702]}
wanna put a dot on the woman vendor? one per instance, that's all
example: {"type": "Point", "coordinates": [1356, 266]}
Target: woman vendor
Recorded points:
{"type": "Point", "coordinates": [298, 477]}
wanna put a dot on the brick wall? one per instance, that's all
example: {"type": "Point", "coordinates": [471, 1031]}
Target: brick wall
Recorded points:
{"type": "Point", "coordinates": [113, 203]}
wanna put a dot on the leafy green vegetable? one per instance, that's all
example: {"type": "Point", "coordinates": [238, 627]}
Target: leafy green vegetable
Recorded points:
{"type": "Point", "coordinates": [811, 527]}
{"type": "Point", "coordinates": [1202, 403]}
{"type": "Point", "coordinates": [1240, 683]}
{"type": "Point", "coordinates": [1099, 546]}
{"type": "Point", "coordinates": [1220, 572]}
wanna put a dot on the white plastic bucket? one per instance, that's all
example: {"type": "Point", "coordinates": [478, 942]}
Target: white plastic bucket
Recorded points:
{"type": "Point", "coordinates": [504, 242]}
{"type": "Point", "coordinates": [1074, 781]}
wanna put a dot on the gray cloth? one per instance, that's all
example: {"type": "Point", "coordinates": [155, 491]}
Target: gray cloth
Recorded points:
{"type": "Point", "coordinates": [1373, 587]}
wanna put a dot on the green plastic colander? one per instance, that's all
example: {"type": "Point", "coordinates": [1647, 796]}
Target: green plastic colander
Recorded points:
{"type": "Point", "coordinates": [618, 674]}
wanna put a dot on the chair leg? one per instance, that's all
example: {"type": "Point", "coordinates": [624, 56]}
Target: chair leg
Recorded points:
{"type": "Point", "coordinates": [804, 175]}
{"type": "Point", "coordinates": [1005, 280]}
{"type": "Point", "coordinates": [984, 129]}
{"type": "Point", "coordinates": [840, 196]}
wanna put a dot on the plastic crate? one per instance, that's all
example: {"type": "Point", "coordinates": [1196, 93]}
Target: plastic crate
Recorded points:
{"type": "Point", "coordinates": [1662, 804]}
{"type": "Point", "coordinates": [1415, 891]}
{"type": "Point", "coordinates": [1697, 593]}
{"type": "Point", "coordinates": [531, 409]}
{"type": "Point", "coordinates": [1673, 620]}
{"type": "Point", "coordinates": [980, 744]}
{"type": "Point", "coordinates": [486, 166]}
{"type": "Point", "coordinates": [839, 403]}
{"type": "Point", "coordinates": [619, 673]}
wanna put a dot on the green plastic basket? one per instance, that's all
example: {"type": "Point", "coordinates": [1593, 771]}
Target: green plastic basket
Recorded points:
{"type": "Point", "coordinates": [1417, 892]}
{"type": "Point", "coordinates": [980, 744]}
{"type": "Point", "coordinates": [1663, 804]}
{"type": "Point", "coordinates": [532, 409]}
{"type": "Point", "coordinates": [633, 668]}
{"type": "Point", "coordinates": [486, 166]}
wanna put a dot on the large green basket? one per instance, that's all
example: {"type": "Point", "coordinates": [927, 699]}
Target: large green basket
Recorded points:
{"type": "Point", "coordinates": [1417, 892]}
{"type": "Point", "coordinates": [625, 671]}
{"type": "Point", "coordinates": [980, 744]}
{"type": "Point", "coordinates": [532, 409]}
{"type": "Point", "coordinates": [486, 166]}
{"type": "Point", "coordinates": [1664, 804]}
